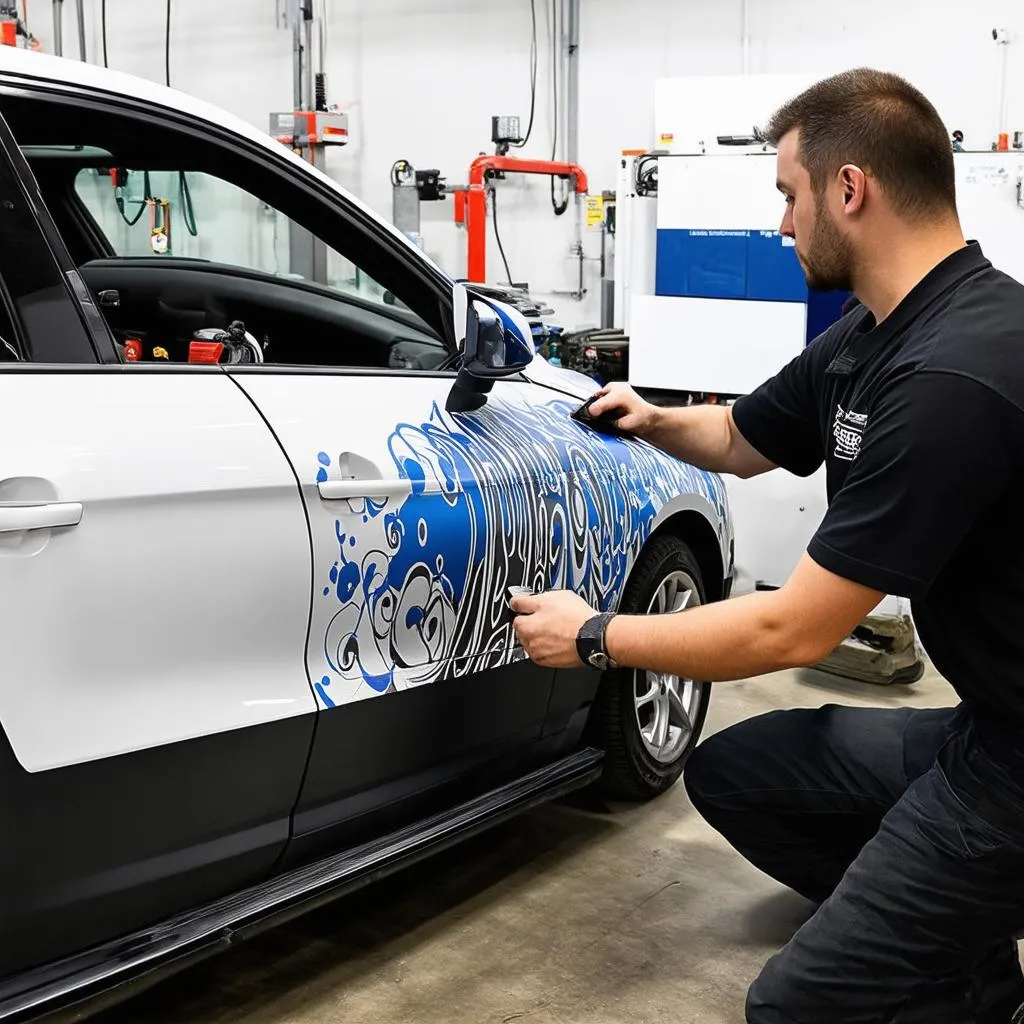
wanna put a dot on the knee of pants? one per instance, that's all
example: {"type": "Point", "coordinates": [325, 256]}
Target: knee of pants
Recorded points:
{"type": "Point", "coordinates": [703, 776]}
{"type": "Point", "coordinates": [769, 997]}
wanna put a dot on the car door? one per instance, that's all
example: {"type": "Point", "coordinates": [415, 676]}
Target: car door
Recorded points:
{"type": "Point", "coordinates": [411, 651]}
{"type": "Point", "coordinates": [155, 711]}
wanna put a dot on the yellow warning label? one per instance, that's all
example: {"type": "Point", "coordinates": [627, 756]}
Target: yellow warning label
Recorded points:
{"type": "Point", "coordinates": [595, 210]}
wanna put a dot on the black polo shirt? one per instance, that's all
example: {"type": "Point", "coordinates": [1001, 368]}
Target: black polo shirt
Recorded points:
{"type": "Point", "coordinates": [920, 425]}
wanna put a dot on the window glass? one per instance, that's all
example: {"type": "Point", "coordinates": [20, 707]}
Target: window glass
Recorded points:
{"type": "Point", "coordinates": [316, 308]}
{"type": "Point", "coordinates": [194, 214]}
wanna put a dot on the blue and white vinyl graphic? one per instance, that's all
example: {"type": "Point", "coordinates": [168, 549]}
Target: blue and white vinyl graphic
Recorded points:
{"type": "Point", "coordinates": [513, 494]}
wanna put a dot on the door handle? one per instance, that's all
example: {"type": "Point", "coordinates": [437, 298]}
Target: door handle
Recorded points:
{"type": "Point", "coordinates": [16, 515]}
{"type": "Point", "coordinates": [333, 490]}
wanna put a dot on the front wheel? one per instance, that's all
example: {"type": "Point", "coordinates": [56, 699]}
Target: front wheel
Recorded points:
{"type": "Point", "coordinates": [648, 722]}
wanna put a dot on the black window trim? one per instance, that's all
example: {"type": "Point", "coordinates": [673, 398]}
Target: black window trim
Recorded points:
{"type": "Point", "coordinates": [19, 342]}
{"type": "Point", "coordinates": [94, 328]}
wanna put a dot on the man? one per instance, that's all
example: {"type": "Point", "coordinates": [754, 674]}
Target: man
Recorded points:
{"type": "Point", "coordinates": [905, 827]}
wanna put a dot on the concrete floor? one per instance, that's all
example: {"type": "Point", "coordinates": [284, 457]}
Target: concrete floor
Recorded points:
{"type": "Point", "coordinates": [573, 913]}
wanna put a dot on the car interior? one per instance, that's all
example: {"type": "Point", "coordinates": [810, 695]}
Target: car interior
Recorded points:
{"type": "Point", "coordinates": [156, 303]}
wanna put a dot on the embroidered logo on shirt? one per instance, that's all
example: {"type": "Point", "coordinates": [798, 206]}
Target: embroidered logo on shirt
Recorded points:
{"type": "Point", "coordinates": [848, 430]}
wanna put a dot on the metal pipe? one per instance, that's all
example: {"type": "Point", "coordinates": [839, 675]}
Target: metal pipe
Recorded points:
{"type": "Point", "coordinates": [58, 27]}
{"type": "Point", "coordinates": [475, 207]}
{"type": "Point", "coordinates": [296, 12]}
{"type": "Point", "coordinates": [1001, 37]}
{"type": "Point", "coordinates": [321, 34]}
{"type": "Point", "coordinates": [80, 8]}
{"type": "Point", "coordinates": [572, 126]}
{"type": "Point", "coordinates": [307, 57]}
{"type": "Point", "coordinates": [572, 88]}
{"type": "Point", "coordinates": [1002, 126]}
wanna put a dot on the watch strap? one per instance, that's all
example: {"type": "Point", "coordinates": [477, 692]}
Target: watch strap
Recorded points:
{"type": "Point", "coordinates": [590, 642]}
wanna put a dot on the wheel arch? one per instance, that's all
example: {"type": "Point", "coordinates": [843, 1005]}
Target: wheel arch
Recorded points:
{"type": "Point", "coordinates": [693, 525]}
{"type": "Point", "coordinates": [685, 540]}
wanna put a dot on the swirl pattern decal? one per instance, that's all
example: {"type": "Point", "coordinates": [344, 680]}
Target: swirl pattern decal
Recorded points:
{"type": "Point", "coordinates": [513, 494]}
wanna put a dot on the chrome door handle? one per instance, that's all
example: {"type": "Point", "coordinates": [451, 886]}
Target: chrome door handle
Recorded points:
{"type": "Point", "coordinates": [16, 516]}
{"type": "Point", "coordinates": [333, 490]}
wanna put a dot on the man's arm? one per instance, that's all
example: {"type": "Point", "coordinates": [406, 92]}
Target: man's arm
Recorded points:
{"type": "Point", "coordinates": [797, 625]}
{"type": "Point", "coordinates": [706, 436]}
{"type": "Point", "coordinates": [777, 424]}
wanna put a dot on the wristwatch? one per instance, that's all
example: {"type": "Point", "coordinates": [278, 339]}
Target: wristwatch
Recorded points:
{"type": "Point", "coordinates": [590, 643]}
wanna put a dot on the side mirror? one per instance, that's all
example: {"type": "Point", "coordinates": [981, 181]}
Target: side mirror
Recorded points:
{"type": "Point", "coordinates": [495, 347]}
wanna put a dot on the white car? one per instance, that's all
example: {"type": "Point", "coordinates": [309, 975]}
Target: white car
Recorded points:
{"type": "Point", "coordinates": [257, 535]}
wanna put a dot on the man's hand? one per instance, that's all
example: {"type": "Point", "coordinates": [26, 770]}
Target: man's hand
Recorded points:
{"type": "Point", "coordinates": [703, 435]}
{"type": "Point", "coordinates": [621, 403]}
{"type": "Point", "coordinates": [547, 624]}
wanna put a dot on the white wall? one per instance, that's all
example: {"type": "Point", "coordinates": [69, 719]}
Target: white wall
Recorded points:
{"type": "Point", "coordinates": [421, 78]}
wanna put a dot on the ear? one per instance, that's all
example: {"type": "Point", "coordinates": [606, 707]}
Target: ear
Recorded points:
{"type": "Point", "coordinates": [852, 188]}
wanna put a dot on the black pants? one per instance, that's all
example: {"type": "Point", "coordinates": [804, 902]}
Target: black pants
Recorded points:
{"type": "Point", "coordinates": [907, 829]}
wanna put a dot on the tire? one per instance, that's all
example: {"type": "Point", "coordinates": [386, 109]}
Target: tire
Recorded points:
{"type": "Point", "coordinates": [622, 725]}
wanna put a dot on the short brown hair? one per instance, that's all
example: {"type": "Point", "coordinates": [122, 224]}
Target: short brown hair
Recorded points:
{"type": "Point", "coordinates": [880, 122]}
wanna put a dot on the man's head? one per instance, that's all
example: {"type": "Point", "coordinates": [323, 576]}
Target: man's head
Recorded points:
{"type": "Point", "coordinates": [860, 154]}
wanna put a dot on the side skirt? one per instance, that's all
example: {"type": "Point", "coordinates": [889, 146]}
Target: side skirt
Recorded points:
{"type": "Point", "coordinates": [101, 976]}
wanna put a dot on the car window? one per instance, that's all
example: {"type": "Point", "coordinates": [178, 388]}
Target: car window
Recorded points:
{"type": "Point", "coordinates": [193, 257]}
{"type": "Point", "coordinates": [195, 214]}
{"type": "Point", "coordinates": [185, 234]}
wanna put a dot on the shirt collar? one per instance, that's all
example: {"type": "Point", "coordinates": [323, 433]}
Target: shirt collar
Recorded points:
{"type": "Point", "coordinates": [867, 338]}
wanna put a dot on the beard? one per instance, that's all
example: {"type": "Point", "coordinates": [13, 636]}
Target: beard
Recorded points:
{"type": "Point", "coordinates": [828, 259]}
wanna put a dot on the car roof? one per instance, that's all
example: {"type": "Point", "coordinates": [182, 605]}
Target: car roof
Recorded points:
{"type": "Point", "coordinates": [21, 63]}
{"type": "Point", "coordinates": [17, 63]}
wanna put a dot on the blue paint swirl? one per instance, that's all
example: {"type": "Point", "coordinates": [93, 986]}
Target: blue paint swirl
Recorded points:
{"type": "Point", "coordinates": [513, 494]}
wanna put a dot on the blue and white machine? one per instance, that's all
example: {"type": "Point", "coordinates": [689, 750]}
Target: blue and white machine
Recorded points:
{"type": "Point", "coordinates": [729, 303]}
{"type": "Point", "coordinates": [737, 254]}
